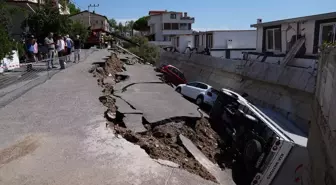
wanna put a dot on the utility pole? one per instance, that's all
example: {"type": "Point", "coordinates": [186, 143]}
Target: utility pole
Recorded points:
{"type": "Point", "coordinates": [94, 8]}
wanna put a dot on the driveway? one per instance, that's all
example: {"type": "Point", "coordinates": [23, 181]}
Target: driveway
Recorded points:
{"type": "Point", "coordinates": [56, 134]}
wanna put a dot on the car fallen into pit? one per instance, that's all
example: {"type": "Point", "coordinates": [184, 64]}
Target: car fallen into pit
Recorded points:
{"type": "Point", "coordinates": [267, 150]}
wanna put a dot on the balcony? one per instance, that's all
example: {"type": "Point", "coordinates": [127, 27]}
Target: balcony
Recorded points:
{"type": "Point", "coordinates": [177, 32]}
{"type": "Point", "coordinates": [161, 43]}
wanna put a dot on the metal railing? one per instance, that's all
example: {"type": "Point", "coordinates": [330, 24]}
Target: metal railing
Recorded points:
{"type": "Point", "coordinates": [19, 78]}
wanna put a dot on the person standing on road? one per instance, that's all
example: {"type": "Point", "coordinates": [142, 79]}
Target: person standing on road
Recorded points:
{"type": "Point", "coordinates": [61, 50]}
{"type": "Point", "coordinates": [69, 44]}
{"type": "Point", "coordinates": [77, 47]}
{"type": "Point", "coordinates": [49, 42]}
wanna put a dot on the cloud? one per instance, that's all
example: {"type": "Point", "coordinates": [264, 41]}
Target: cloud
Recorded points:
{"type": "Point", "coordinates": [125, 20]}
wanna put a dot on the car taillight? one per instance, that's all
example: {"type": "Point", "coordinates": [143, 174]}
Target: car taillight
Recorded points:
{"type": "Point", "coordinates": [209, 94]}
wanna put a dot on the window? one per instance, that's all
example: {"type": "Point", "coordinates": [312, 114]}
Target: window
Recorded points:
{"type": "Point", "coordinates": [196, 40]}
{"type": "Point", "coordinates": [189, 26]}
{"type": "Point", "coordinates": [173, 16]}
{"type": "Point", "coordinates": [328, 33]}
{"type": "Point", "coordinates": [192, 84]}
{"type": "Point", "coordinates": [167, 26]}
{"type": "Point", "coordinates": [175, 26]}
{"type": "Point", "coordinates": [183, 26]}
{"type": "Point", "coordinates": [177, 41]}
{"type": "Point", "coordinates": [96, 21]}
{"type": "Point", "coordinates": [202, 86]}
{"type": "Point", "coordinates": [209, 41]}
{"type": "Point", "coordinates": [273, 39]}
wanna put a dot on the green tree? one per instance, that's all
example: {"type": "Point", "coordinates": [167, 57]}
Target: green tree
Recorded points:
{"type": "Point", "coordinates": [148, 52]}
{"type": "Point", "coordinates": [113, 23]}
{"type": "Point", "coordinates": [47, 19]}
{"type": "Point", "coordinates": [7, 44]}
{"type": "Point", "coordinates": [141, 24]}
{"type": "Point", "coordinates": [77, 28]}
{"type": "Point", "coordinates": [73, 9]}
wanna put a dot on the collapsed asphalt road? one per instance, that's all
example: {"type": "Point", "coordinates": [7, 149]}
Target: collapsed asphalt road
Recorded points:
{"type": "Point", "coordinates": [149, 113]}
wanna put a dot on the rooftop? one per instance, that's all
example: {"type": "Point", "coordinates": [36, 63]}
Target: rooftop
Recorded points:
{"type": "Point", "coordinates": [298, 19]}
{"type": "Point", "coordinates": [93, 13]}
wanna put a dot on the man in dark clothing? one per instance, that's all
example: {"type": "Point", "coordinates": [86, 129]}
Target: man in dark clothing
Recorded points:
{"type": "Point", "coordinates": [77, 47]}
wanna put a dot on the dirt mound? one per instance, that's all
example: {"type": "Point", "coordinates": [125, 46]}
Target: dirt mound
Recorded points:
{"type": "Point", "coordinates": [162, 142]}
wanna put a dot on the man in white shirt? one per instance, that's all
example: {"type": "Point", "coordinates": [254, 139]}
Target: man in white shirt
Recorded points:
{"type": "Point", "coordinates": [60, 50]}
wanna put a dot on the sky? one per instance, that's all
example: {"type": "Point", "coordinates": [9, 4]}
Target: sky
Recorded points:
{"type": "Point", "coordinates": [213, 14]}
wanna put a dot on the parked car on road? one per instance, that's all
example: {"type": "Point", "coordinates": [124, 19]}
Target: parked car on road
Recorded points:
{"type": "Point", "coordinates": [173, 75]}
{"type": "Point", "coordinates": [202, 93]}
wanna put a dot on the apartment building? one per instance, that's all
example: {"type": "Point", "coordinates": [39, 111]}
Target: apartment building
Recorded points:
{"type": "Point", "coordinates": [166, 24]}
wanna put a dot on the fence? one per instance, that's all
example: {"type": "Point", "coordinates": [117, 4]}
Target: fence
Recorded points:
{"type": "Point", "coordinates": [21, 77]}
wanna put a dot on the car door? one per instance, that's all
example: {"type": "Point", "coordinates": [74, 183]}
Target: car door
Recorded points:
{"type": "Point", "coordinates": [194, 90]}
{"type": "Point", "coordinates": [201, 88]}
{"type": "Point", "coordinates": [188, 89]}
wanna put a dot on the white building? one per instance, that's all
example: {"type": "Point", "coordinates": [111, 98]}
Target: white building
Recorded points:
{"type": "Point", "coordinates": [166, 24]}
{"type": "Point", "coordinates": [294, 41]}
{"type": "Point", "coordinates": [222, 43]}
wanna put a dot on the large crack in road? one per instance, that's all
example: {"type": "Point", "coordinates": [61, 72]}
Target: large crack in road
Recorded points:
{"type": "Point", "coordinates": [159, 135]}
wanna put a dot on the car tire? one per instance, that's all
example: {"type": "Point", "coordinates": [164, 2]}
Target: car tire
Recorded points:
{"type": "Point", "coordinates": [199, 100]}
{"type": "Point", "coordinates": [178, 90]}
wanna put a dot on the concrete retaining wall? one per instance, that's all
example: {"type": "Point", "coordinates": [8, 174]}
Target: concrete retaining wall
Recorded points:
{"type": "Point", "coordinates": [322, 136]}
{"type": "Point", "coordinates": [288, 90]}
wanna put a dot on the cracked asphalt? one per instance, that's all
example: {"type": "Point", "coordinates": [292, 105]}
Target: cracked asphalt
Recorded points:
{"type": "Point", "coordinates": [56, 134]}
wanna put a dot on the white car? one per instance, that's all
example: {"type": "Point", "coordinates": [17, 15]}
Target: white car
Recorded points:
{"type": "Point", "coordinates": [201, 92]}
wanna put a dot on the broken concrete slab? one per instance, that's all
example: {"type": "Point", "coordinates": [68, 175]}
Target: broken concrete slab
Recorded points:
{"type": "Point", "coordinates": [133, 122]}
{"type": "Point", "coordinates": [221, 176]}
{"type": "Point", "coordinates": [167, 163]}
{"type": "Point", "coordinates": [109, 80]}
{"type": "Point", "coordinates": [159, 102]}
{"type": "Point", "coordinates": [124, 108]}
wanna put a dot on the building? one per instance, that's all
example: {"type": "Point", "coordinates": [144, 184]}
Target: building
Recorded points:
{"type": "Point", "coordinates": [222, 43]}
{"type": "Point", "coordinates": [166, 24]}
{"type": "Point", "coordinates": [97, 22]}
{"type": "Point", "coordinates": [294, 41]}
{"type": "Point", "coordinates": [28, 6]}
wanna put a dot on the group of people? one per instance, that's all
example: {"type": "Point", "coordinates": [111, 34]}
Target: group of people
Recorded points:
{"type": "Point", "coordinates": [63, 46]}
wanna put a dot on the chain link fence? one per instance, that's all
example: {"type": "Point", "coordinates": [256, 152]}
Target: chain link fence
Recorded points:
{"type": "Point", "coordinates": [19, 78]}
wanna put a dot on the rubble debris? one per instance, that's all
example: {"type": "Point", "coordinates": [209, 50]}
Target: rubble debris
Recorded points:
{"type": "Point", "coordinates": [163, 142]}
{"type": "Point", "coordinates": [108, 80]}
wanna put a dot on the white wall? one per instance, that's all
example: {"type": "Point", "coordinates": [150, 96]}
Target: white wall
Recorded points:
{"type": "Point", "coordinates": [240, 39]}
{"type": "Point", "coordinates": [157, 23]}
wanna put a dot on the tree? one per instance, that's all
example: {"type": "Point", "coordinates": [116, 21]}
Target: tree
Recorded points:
{"type": "Point", "coordinates": [113, 23]}
{"type": "Point", "coordinates": [121, 27]}
{"type": "Point", "coordinates": [7, 44]}
{"type": "Point", "coordinates": [148, 52]}
{"type": "Point", "coordinates": [141, 24]}
{"type": "Point", "coordinates": [73, 9]}
{"type": "Point", "coordinates": [77, 28]}
{"type": "Point", "coordinates": [48, 19]}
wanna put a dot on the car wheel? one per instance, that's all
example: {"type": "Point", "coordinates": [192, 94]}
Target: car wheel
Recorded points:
{"type": "Point", "coordinates": [199, 100]}
{"type": "Point", "coordinates": [178, 90]}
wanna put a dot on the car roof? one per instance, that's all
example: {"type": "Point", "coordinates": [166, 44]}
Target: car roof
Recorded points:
{"type": "Point", "coordinates": [209, 86]}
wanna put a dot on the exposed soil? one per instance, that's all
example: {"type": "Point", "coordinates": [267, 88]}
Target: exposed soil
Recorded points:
{"type": "Point", "coordinates": [162, 141]}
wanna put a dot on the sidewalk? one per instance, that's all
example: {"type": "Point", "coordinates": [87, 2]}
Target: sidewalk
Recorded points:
{"type": "Point", "coordinates": [56, 134]}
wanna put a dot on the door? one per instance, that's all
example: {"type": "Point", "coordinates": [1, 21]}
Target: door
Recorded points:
{"type": "Point", "coordinates": [195, 90]}
{"type": "Point", "coordinates": [170, 75]}
{"type": "Point", "coordinates": [189, 89]}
